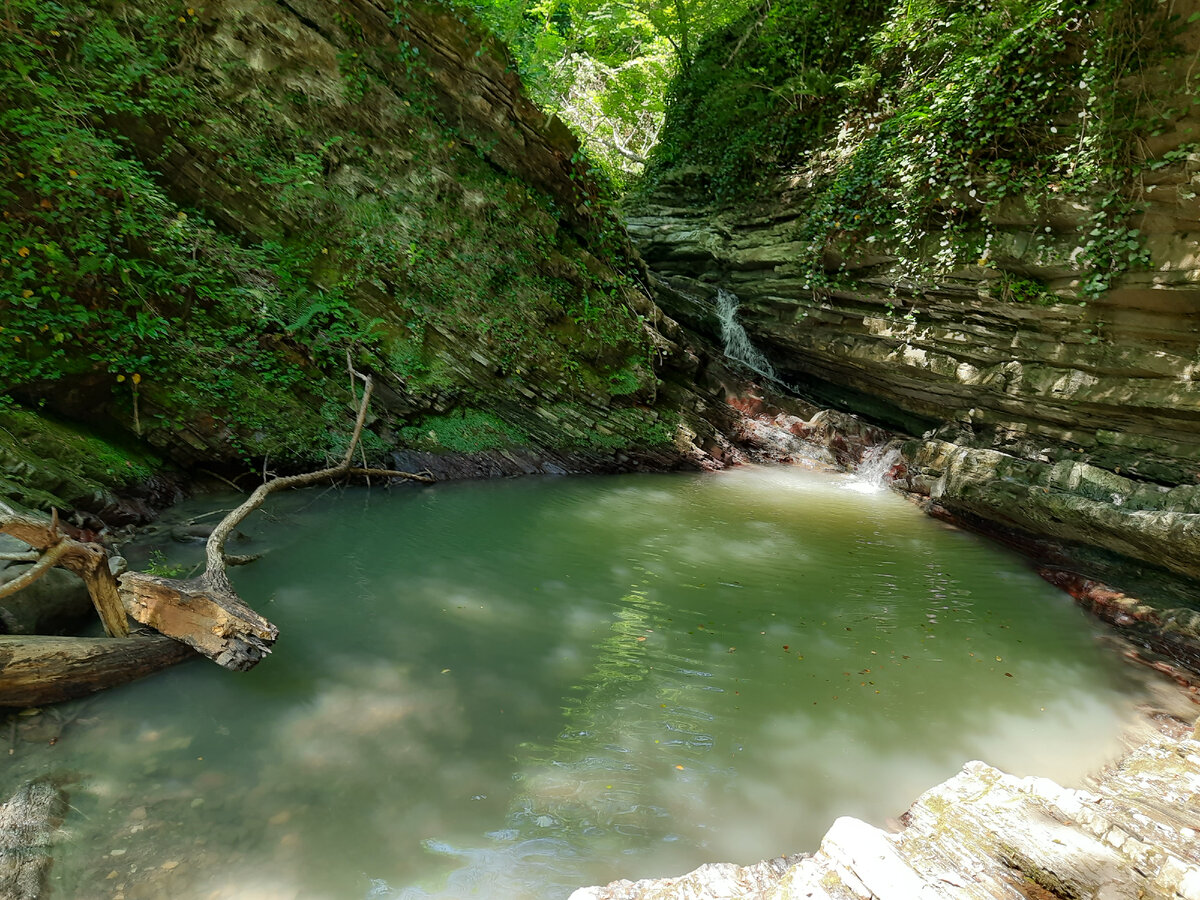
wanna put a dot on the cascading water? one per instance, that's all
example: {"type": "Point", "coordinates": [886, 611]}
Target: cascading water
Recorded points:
{"type": "Point", "coordinates": [737, 343]}
{"type": "Point", "coordinates": [873, 472]}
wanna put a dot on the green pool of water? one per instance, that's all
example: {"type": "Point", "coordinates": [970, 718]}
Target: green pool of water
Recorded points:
{"type": "Point", "coordinates": [510, 689]}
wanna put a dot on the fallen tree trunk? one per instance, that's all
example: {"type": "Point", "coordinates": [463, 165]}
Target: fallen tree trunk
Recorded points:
{"type": "Point", "coordinates": [38, 670]}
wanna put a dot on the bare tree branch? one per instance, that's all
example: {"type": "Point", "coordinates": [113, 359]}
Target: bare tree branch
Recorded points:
{"type": "Point", "coordinates": [214, 619]}
{"type": "Point", "coordinates": [204, 612]}
{"type": "Point", "coordinates": [31, 556]}
{"type": "Point", "coordinates": [88, 561]}
{"type": "Point", "coordinates": [48, 561]}
{"type": "Point", "coordinates": [215, 575]}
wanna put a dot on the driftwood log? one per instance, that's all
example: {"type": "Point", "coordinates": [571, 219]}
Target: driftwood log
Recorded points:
{"type": "Point", "coordinates": [204, 613]}
{"type": "Point", "coordinates": [35, 671]}
{"type": "Point", "coordinates": [214, 622]}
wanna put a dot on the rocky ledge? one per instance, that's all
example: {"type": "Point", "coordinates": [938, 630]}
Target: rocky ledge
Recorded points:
{"type": "Point", "coordinates": [985, 834]}
{"type": "Point", "coordinates": [1050, 421]}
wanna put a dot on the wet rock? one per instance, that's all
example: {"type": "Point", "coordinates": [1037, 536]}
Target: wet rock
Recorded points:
{"type": "Point", "coordinates": [28, 822]}
{"type": "Point", "coordinates": [1071, 501]}
{"type": "Point", "coordinates": [714, 881]}
{"type": "Point", "coordinates": [56, 603]}
{"type": "Point", "coordinates": [191, 533]}
{"type": "Point", "coordinates": [985, 834]}
{"type": "Point", "coordinates": [1061, 418]}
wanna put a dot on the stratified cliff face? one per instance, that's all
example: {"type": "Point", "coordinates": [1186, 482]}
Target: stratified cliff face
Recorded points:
{"type": "Point", "coordinates": [211, 210]}
{"type": "Point", "coordinates": [1047, 392]}
{"type": "Point", "coordinates": [1028, 419]}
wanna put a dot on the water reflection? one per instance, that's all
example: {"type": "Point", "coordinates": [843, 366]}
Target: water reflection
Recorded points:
{"type": "Point", "coordinates": [507, 690]}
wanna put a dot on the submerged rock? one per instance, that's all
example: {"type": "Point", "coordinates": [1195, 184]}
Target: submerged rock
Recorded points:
{"type": "Point", "coordinates": [28, 822]}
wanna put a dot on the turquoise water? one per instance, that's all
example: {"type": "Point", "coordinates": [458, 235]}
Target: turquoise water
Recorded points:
{"type": "Point", "coordinates": [510, 689]}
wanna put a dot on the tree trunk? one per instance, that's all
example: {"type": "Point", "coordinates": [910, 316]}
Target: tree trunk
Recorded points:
{"type": "Point", "coordinates": [38, 670]}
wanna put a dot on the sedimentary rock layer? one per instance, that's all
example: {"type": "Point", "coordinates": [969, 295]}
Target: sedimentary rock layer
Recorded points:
{"type": "Point", "coordinates": [1069, 419]}
{"type": "Point", "coordinates": [985, 834]}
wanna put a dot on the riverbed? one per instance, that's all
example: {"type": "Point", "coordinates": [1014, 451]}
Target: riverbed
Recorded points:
{"type": "Point", "coordinates": [509, 689]}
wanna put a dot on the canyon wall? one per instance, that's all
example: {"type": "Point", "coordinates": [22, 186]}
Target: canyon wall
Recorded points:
{"type": "Point", "coordinates": [1042, 394]}
{"type": "Point", "coordinates": [213, 211]}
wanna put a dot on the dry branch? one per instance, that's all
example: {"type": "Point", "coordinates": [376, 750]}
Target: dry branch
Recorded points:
{"type": "Point", "coordinates": [88, 561]}
{"type": "Point", "coordinates": [44, 564]}
{"type": "Point", "coordinates": [205, 612]}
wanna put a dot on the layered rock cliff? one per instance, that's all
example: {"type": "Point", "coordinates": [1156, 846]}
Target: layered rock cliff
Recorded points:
{"type": "Point", "coordinates": [1045, 392]}
{"type": "Point", "coordinates": [212, 210]}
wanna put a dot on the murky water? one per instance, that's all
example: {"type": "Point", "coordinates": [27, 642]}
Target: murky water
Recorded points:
{"type": "Point", "coordinates": [510, 689]}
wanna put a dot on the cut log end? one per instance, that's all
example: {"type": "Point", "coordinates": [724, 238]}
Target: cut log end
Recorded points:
{"type": "Point", "coordinates": [213, 621]}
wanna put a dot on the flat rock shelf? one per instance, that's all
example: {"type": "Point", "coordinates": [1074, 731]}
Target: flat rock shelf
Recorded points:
{"type": "Point", "coordinates": [985, 834]}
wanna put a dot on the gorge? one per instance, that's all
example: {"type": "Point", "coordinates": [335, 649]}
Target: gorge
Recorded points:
{"type": "Point", "coordinates": [964, 237]}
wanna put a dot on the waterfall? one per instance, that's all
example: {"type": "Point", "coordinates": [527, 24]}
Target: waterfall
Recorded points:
{"type": "Point", "coordinates": [737, 342]}
{"type": "Point", "coordinates": [873, 469]}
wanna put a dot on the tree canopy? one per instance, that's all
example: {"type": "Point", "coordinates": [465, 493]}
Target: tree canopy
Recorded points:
{"type": "Point", "coordinates": [604, 66]}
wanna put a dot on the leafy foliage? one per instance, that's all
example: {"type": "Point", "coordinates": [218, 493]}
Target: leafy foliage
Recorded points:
{"type": "Point", "coordinates": [920, 120]}
{"type": "Point", "coordinates": [238, 312]}
{"type": "Point", "coordinates": [766, 89]}
{"type": "Point", "coordinates": [604, 65]}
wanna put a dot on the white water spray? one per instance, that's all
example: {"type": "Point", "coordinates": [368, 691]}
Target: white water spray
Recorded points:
{"type": "Point", "coordinates": [873, 470]}
{"type": "Point", "coordinates": [737, 343]}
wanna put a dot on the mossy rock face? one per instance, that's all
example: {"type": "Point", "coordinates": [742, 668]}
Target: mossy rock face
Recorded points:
{"type": "Point", "coordinates": [47, 463]}
{"type": "Point", "coordinates": [216, 208]}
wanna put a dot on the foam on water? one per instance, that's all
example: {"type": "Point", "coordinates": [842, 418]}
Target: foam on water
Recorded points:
{"type": "Point", "coordinates": [874, 470]}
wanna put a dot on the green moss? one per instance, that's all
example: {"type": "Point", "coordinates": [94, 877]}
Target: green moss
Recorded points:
{"type": "Point", "coordinates": [45, 462]}
{"type": "Point", "coordinates": [108, 460]}
{"type": "Point", "coordinates": [568, 427]}
{"type": "Point", "coordinates": [464, 431]}
{"type": "Point", "coordinates": [332, 221]}
{"type": "Point", "coordinates": [634, 427]}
